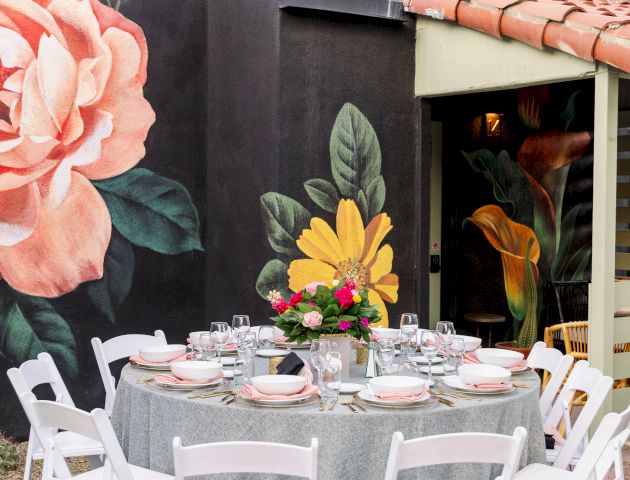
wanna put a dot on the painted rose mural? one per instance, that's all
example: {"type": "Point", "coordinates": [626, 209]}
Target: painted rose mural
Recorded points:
{"type": "Point", "coordinates": [73, 122]}
{"type": "Point", "coordinates": [309, 249]}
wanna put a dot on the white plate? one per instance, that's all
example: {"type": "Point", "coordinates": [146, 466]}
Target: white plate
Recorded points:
{"type": "Point", "coordinates": [271, 352]}
{"type": "Point", "coordinates": [228, 360]}
{"type": "Point", "coordinates": [369, 397]}
{"type": "Point", "coordinates": [348, 388]}
{"type": "Point", "coordinates": [296, 346]}
{"type": "Point", "coordinates": [188, 386]}
{"type": "Point", "coordinates": [228, 373]}
{"type": "Point", "coordinates": [149, 366]}
{"type": "Point", "coordinates": [435, 369]}
{"type": "Point", "coordinates": [282, 402]}
{"type": "Point", "coordinates": [423, 359]}
{"type": "Point", "coordinates": [525, 369]}
{"type": "Point", "coordinates": [456, 383]}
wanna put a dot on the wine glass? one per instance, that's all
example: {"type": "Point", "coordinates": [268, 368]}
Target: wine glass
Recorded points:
{"type": "Point", "coordinates": [445, 330]}
{"type": "Point", "coordinates": [240, 323]}
{"type": "Point", "coordinates": [457, 351]}
{"type": "Point", "coordinates": [429, 345]}
{"type": "Point", "coordinates": [219, 333]}
{"type": "Point", "coordinates": [409, 329]}
{"type": "Point", "coordinates": [266, 336]}
{"type": "Point", "coordinates": [386, 354]}
{"type": "Point", "coordinates": [320, 350]}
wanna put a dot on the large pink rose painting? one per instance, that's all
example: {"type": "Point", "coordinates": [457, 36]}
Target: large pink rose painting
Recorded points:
{"type": "Point", "coordinates": [73, 122]}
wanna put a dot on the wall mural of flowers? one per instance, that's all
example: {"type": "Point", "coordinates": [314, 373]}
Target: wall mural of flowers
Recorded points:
{"type": "Point", "coordinates": [538, 240]}
{"type": "Point", "coordinates": [307, 247]}
{"type": "Point", "coordinates": [73, 122]}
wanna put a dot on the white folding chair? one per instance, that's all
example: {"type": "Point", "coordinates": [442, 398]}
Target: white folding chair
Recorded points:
{"type": "Point", "coordinates": [581, 379]}
{"type": "Point", "coordinates": [245, 457]}
{"type": "Point", "coordinates": [116, 348]}
{"type": "Point", "coordinates": [558, 365]}
{"type": "Point", "coordinates": [457, 448]}
{"type": "Point", "coordinates": [602, 452]}
{"type": "Point", "coordinates": [44, 371]}
{"type": "Point", "coordinates": [95, 425]}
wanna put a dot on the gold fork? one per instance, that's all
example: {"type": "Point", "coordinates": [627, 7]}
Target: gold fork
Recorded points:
{"type": "Point", "coordinates": [212, 394]}
{"type": "Point", "coordinates": [233, 394]}
{"type": "Point", "coordinates": [349, 402]}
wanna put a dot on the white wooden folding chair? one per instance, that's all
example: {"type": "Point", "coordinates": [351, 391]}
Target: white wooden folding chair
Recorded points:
{"type": "Point", "coordinates": [245, 457]}
{"type": "Point", "coordinates": [116, 348]}
{"type": "Point", "coordinates": [456, 448]}
{"type": "Point", "coordinates": [44, 371]}
{"type": "Point", "coordinates": [556, 364]}
{"type": "Point", "coordinates": [602, 452]}
{"type": "Point", "coordinates": [581, 379]}
{"type": "Point", "coordinates": [46, 415]}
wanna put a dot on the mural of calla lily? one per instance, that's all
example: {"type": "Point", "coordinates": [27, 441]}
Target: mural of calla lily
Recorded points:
{"type": "Point", "coordinates": [531, 193]}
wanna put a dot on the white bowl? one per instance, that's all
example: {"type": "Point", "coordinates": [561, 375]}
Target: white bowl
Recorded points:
{"type": "Point", "coordinates": [279, 384]}
{"type": "Point", "coordinates": [473, 374]}
{"type": "Point", "coordinates": [200, 371]}
{"type": "Point", "coordinates": [194, 336]}
{"type": "Point", "coordinates": [162, 353]}
{"type": "Point", "coordinates": [413, 385]}
{"type": "Point", "coordinates": [499, 356]}
{"type": "Point", "coordinates": [390, 333]}
{"type": "Point", "coordinates": [470, 343]}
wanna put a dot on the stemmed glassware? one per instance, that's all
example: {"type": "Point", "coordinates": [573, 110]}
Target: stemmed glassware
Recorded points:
{"type": "Point", "coordinates": [385, 355]}
{"type": "Point", "coordinates": [320, 356]}
{"type": "Point", "coordinates": [409, 330]}
{"type": "Point", "coordinates": [219, 334]}
{"type": "Point", "coordinates": [457, 351]}
{"type": "Point", "coordinates": [246, 348]}
{"type": "Point", "coordinates": [266, 336]}
{"type": "Point", "coordinates": [429, 345]}
{"type": "Point", "coordinates": [445, 331]}
{"type": "Point", "coordinates": [206, 347]}
{"type": "Point", "coordinates": [240, 323]}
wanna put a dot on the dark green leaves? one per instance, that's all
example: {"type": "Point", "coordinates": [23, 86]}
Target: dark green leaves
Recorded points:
{"type": "Point", "coordinates": [284, 220]}
{"type": "Point", "coordinates": [323, 193]}
{"type": "Point", "coordinates": [375, 194]}
{"type": "Point", "coordinates": [273, 276]}
{"type": "Point", "coordinates": [152, 211]}
{"type": "Point", "coordinates": [109, 292]}
{"type": "Point", "coordinates": [29, 326]}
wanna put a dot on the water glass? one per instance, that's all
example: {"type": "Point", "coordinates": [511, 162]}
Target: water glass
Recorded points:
{"type": "Point", "coordinates": [408, 330]}
{"type": "Point", "coordinates": [446, 331]}
{"type": "Point", "coordinates": [240, 323]}
{"type": "Point", "coordinates": [239, 375]}
{"type": "Point", "coordinates": [206, 347]}
{"type": "Point", "coordinates": [266, 336]}
{"type": "Point", "coordinates": [320, 350]}
{"type": "Point", "coordinates": [331, 376]}
{"type": "Point", "coordinates": [429, 345]}
{"type": "Point", "coordinates": [219, 334]}
{"type": "Point", "coordinates": [456, 353]}
{"type": "Point", "coordinates": [246, 348]}
{"type": "Point", "coordinates": [407, 368]}
{"type": "Point", "coordinates": [386, 354]}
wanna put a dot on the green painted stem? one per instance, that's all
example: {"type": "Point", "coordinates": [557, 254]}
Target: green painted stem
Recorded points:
{"type": "Point", "coordinates": [528, 334]}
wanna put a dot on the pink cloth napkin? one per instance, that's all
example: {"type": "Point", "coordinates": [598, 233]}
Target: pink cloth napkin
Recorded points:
{"type": "Point", "coordinates": [471, 357]}
{"type": "Point", "coordinates": [306, 373]}
{"type": "Point", "coordinates": [401, 396]}
{"type": "Point", "coordinates": [250, 393]}
{"type": "Point", "coordinates": [172, 379]}
{"type": "Point", "coordinates": [281, 339]}
{"type": "Point", "coordinates": [485, 386]}
{"type": "Point", "coordinates": [142, 361]}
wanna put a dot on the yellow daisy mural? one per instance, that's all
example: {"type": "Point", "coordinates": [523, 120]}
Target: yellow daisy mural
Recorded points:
{"type": "Point", "coordinates": [352, 252]}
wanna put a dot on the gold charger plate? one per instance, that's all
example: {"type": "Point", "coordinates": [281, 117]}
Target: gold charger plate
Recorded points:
{"type": "Point", "coordinates": [162, 368]}
{"type": "Point", "coordinates": [313, 399]}
{"type": "Point", "coordinates": [470, 392]}
{"type": "Point", "coordinates": [424, 403]}
{"type": "Point", "coordinates": [186, 390]}
{"type": "Point", "coordinates": [293, 345]}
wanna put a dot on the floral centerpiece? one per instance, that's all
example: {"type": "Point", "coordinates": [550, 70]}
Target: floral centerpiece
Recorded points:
{"type": "Point", "coordinates": [321, 309]}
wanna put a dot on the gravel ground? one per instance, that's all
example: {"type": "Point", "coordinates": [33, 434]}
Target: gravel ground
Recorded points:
{"type": "Point", "coordinates": [76, 465]}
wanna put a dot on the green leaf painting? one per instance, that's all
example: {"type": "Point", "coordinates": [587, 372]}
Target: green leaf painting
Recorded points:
{"type": "Point", "coordinates": [273, 276]}
{"type": "Point", "coordinates": [323, 193]}
{"type": "Point", "coordinates": [355, 154]}
{"type": "Point", "coordinates": [375, 194]}
{"type": "Point", "coordinates": [109, 292]}
{"type": "Point", "coordinates": [284, 220]}
{"type": "Point", "coordinates": [30, 325]}
{"type": "Point", "coordinates": [152, 211]}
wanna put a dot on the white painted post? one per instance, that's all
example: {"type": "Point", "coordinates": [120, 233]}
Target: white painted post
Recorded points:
{"type": "Point", "coordinates": [601, 304]}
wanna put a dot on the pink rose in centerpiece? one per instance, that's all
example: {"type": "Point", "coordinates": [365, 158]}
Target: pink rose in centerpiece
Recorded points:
{"type": "Point", "coordinates": [295, 299]}
{"type": "Point", "coordinates": [312, 319]}
{"type": "Point", "coordinates": [344, 326]}
{"type": "Point", "coordinates": [365, 322]}
{"type": "Point", "coordinates": [344, 296]}
{"type": "Point", "coordinates": [312, 287]}
{"type": "Point", "coordinates": [72, 110]}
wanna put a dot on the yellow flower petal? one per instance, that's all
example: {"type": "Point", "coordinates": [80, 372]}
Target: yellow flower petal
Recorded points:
{"type": "Point", "coordinates": [374, 235]}
{"type": "Point", "coordinates": [350, 229]}
{"type": "Point", "coordinates": [375, 300]}
{"type": "Point", "coordinates": [311, 245]}
{"type": "Point", "coordinates": [304, 271]}
{"type": "Point", "coordinates": [328, 239]}
{"type": "Point", "coordinates": [387, 287]}
{"type": "Point", "coordinates": [382, 264]}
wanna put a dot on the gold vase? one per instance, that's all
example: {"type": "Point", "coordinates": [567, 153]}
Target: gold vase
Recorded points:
{"type": "Point", "coordinates": [362, 355]}
{"type": "Point", "coordinates": [343, 346]}
{"type": "Point", "coordinates": [273, 364]}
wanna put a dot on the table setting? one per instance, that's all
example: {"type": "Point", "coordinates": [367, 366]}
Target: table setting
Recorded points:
{"type": "Point", "coordinates": [276, 392]}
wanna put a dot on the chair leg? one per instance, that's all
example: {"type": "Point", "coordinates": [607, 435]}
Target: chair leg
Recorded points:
{"type": "Point", "coordinates": [28, 461]}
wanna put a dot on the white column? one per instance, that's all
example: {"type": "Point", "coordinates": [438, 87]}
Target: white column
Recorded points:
{"type": "Point", "coordinates": [601, 304]}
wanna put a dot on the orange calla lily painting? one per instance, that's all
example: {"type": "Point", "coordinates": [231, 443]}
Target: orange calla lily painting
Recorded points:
{"type": "Point", "coordinates": [309, 249]}
{"type": "Point", "coordinates": [73, 125]}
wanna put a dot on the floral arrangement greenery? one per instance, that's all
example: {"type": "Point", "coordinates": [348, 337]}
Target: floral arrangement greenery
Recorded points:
{"type": "Point", "coordinates": [320, 309]}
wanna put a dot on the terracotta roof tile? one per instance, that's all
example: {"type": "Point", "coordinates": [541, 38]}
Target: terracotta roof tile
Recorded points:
{"type": "Point", "coordinates": [589, 29]}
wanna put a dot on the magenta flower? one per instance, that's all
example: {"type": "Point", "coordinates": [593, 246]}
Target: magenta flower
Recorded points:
{"type": "Point", "coordinates": [365, 322]}
{"type": "Point", "coordinates": [295, 299]}
{"type": "Point", "coordinates": [344, 326]}
{"type": "Point", "coordinates": [344, 296]}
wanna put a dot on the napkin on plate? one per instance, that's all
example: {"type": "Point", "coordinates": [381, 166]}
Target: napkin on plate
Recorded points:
{"type": "Point", "coordinates": [250, 393]}
{"type": "Point", "coordinates": [400, 396]}
{"type": "Point", "coordinates": [142, 361]}
{"type": "Point", "coordinates": [173, 380]}
{"type": "Point", "coordinates": [486, 386]}
{"type": "Point", "coordinates": [471, 357]}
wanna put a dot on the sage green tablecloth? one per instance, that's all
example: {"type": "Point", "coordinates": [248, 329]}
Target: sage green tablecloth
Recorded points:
{"type": "Point", "coordinates": [351, 446]}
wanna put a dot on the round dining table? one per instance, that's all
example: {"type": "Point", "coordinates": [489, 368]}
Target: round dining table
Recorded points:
{"type": "Point", "coordinates": [351, 445]}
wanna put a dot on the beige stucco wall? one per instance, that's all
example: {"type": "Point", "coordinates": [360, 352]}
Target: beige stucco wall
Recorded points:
{"type": "Point", "coordinates": [452, 59]}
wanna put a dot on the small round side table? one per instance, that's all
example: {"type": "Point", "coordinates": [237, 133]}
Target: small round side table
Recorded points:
{"type": "Point", "coordinates": [489, 318]}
